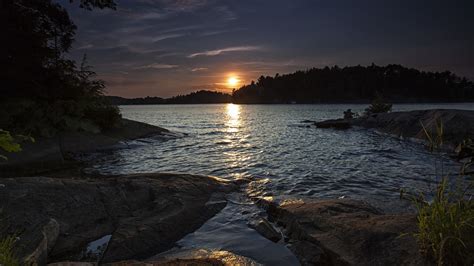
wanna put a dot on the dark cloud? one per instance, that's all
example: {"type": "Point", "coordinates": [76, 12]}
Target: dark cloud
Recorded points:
{"type": "Point", "coordinates": [169, 47]}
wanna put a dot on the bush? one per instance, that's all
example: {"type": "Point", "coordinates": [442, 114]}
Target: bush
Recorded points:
{"type": "Point", "coordinates": [105, 116]}
{"type": "Point", "coordinates": [378, 106]}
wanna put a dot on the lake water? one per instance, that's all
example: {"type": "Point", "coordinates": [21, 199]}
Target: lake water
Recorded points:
{"type": "Point", "coordinates": [284, 158]}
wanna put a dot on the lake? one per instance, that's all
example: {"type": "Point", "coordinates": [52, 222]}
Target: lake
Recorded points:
{"type": "Point", "coordinates": [283, 156]}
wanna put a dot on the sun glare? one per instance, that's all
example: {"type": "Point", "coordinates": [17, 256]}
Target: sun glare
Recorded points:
{"type": "Point", "coordinates": [232, 81]}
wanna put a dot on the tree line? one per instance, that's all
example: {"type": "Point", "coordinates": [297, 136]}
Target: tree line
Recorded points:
{"type": "Point", "coordinates": [198, 97]}
{"type": "Point", "coordinates": [357, 84]}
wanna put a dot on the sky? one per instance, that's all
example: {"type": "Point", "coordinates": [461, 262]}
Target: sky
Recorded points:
{"type": "Point", "coordinates": [166, 48]}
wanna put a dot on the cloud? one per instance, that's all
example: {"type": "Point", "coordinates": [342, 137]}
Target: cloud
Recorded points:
{"type": "Point", "coordinates": [199, 69]}
{"type": "Point", "coordinates": [225, 50]}
{"type": "Point", "coordinates": [166, 36]}
{"type": "Point", "coordinates": [184, 5]}
{"type": "Point", "coordinates": [157, 66]}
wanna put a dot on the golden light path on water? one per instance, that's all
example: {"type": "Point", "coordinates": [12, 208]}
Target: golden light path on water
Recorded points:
{"type": "Point", "coordinates": [235, 139]}
{"type": "Point", "coordinates": [233, 117]}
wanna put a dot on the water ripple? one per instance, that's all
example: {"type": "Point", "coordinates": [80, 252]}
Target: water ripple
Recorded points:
{"type": "Point", "coordinates": [269, 144]}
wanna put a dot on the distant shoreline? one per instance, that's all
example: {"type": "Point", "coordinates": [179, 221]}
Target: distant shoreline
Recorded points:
{"type": "Point", "coordinates": [364, 102]}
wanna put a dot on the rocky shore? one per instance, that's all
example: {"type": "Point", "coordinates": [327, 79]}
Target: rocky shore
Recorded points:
{"type": "Point", "coordinates": [50, 154]}
{"type": "Point", "coordinates": [57, 219]}
{"type": "Point", "coordinates": [346, 232]}
{"type": "Point", "coordinates": [131, 219]}
{"type": "Point", "coordinates": [458, 125]}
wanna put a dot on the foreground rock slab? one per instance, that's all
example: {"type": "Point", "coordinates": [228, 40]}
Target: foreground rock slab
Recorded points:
{"type": "Point", "coordinates": [194, 257]}
{"type": "Point", "coordinates": [346, 232]}
{"type": "Point", "coordinates": [142, 214]}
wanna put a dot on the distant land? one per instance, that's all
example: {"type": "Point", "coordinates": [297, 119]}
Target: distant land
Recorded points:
{"type": "Point", "coordinates": [352, 84]}
{"type": "Point", "coordinates": [198, 97]}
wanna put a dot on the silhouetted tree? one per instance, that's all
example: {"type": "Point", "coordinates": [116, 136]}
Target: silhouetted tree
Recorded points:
{"type": "Point", "coordinates": [41, 89]}
{"type": "Point", "coordinates": [357, 84]}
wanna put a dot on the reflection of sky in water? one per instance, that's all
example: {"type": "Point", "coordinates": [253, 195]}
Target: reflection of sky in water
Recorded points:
{"type": "Point", "coordinates": [269, 144]}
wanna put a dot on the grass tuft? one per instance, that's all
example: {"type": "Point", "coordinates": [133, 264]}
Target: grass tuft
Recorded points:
{"type": "Point", "coordinates": [446, 224]}
{"type": "Point", "coordinates": [7, 256]}
{"type": "Point", "coordinates": [446, 227]}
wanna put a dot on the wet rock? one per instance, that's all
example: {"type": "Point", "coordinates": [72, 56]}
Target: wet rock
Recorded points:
{"type": "Point", "coordinates": [263, 227]}
{"type": "Point", "coordinates": [144, 213]}
{"type": "Point", "coordinates": [347, 232]}
{"type": "Point", "coordinates": [335, 123]}
{"type": "Point", "coordinates": [199, 257]}
{"type": "Point", "coordinates": [180, 258]}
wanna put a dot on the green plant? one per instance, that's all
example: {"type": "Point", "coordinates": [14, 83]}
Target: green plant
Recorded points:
{"type": "Point", "coordinates": [434, 142]}
{"type": "Point", "coordinates": [7, 244]}
{"type": "Point", "coordinates": [7, 256]}
{"type": "Point", "coordinates": [446, 227]}
{"type": "Point", "coordinates": [446, 224]}
{"type": "Point", "coordinates": [378, 106]}
{"type": "Point", "coordinates": [9, 143]}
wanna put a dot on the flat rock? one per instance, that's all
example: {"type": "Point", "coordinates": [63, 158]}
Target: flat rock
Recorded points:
{"type": "Point", "coordinates": [144, 213]}
{"type": "Point", "coordinates": [200, 257]}
{"type": "Point", "coordinates": [334, 123]}
{"type": "Point", "coordinates": [457, 124]}
{"type": "Point", "coordinates": [347, 232]}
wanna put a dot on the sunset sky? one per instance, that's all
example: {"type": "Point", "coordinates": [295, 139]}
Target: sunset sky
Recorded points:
{"type": "Point", "coordinates": [164, 47]}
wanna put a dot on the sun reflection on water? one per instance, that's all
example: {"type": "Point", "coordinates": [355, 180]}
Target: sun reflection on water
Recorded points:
{"type": "Point", "coordinates": [233, 155]}
{"type": "Point", "coordinates": [233, 117]}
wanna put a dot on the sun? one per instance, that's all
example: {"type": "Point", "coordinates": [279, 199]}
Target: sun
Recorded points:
{"type": "Point", "coordinates": [232, 81]}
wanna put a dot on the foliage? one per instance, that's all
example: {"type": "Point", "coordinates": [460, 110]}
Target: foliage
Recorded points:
{"type": "Point", "coordinates": [378, 106]}
{"type": "Point", "coordinates": [9, 143]}
{"type": "Point", "coordinates": [198, 97]}
{"type": "Point", "coordinates": [44, 93]}
{"type": "Point", "coordinates": [90, 4]}
{"type": "Point", "coordinates": [202, 96]}
{"type": "Point", "coordinates": [7, 256]}
{"type": "Point", "coordinates": [357, 83]}
{"type": "Point", "coordinates": [434, 141]}
{"type": "Point", "coordinates": [7, 244]}
{"type": "Point", "coordinates": [446, 225]}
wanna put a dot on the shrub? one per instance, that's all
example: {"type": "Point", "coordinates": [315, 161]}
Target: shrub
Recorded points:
{"type": "Point", "coordinates": [378, 106]}
{"type": "Point", "coordinates": [103, 115]}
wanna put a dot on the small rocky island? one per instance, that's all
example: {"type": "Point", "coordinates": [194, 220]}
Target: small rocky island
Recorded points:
{"type": "Point", "coordinates": [458, 125]}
